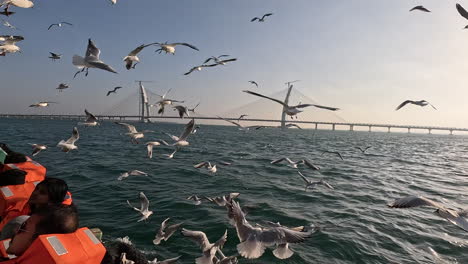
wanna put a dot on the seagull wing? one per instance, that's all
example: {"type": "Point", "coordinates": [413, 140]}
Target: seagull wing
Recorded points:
{"type": "Point", "coordinates": [260, 95]}
{"type": "Point", "coordinates": [254, 83]}
{"type": "Point", "coordinates": [186, 44]}
{"type": "Point", "coordinates": [232, 122]}
{"type": "Point", "coordinates": [138, 49]}
{"type": "Point", "coordinates": [144, 202]}
{"type": "Point", "coordinates": [201, 164]}
{"type": "Point", "coordinates": [191, 70]}
{"type": "Point", "coordinates": [433, 106]}
{"type": "Point", "coordinates": [51, 26]}
{"type": "Point", "coordinates": [99, 64]}
{"type": "Point", "coordinates": [326, 184]}
{"type": "Point", "coordinates": [75, 136]}
{"type": "Point", "coordinates": [265, 15]}
{"type": "Point", "coordinates": [109, 92]}
{"type": "Point", "coordinates": [70, 24]}
{"type": "Point", "coordinates": [130, 128]}
{"type": "Point", "coordinates": [188, 130]}
{"type": "Point", "coordinates": [414, 201]}
{"type": "Point", "coordinates": [199, 237]}
{"type": "Point", "coordinates": [92, 50]}
{"type": "Point", "coordinates": [253, 19]}
{"type": "Point", "coordinates": [277, 160]}
{"type": "Point", "coordinates": [307, 181]}
{"type": "Point", "coordinates": [403, 104]}
{"type": "Point", "coordinates": [310, 165]}
{"type": "Point", "coordinates": [462, 11]}
{"type": "Point", "coordinates": [134, 208]}
{"type": "Point", "coordinates": [170, 230]}
{"type": "Point", "coordinates": [90, 117]}
{"type": "Point", "coordinates": [228, 60]}
{"type": "Point", "coordinates": [207, 60]}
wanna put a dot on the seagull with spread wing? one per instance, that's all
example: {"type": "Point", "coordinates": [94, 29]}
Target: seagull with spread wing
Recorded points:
{"type": "Point", "coordinates": [182, 110]}
{"type": "Point", "coordinates": [420, 8]}
{"type": "Point", "coordinates": [312, 184]}
{"type": "Point", "coordinates": [55, 56]}
{"type": "Point", "coordinates": [91, 120]}
{"type": "Point", "coordinates": [91, 60]}
{"type": "Point", "coordinates": [292, 110]}
{"type": "Point", "coordinates": [62, 87]}
{"type": "Point", "coordinates": [132, 172]}
{"type": "Point", "coordinates": [113, 91]}
{"type": "Point", "coordinates": [8, 24]}
{"type": "Point", "coordinates": [42, 104]}
{"type": "Point", "coordinates": [462, 12]}
{"type": "Point", "coordinates": [363, 150]}
{"type": "Point", "coordinates": [240, 127]}
{"type": "Point", "coordinates": [60, 24]}
{"type": "Point", "coordinates": [262, 19]}
{"type": "Point", "coordinates": [215, 59]}
{"type": "Point", "coordinates": [333, 152]}
{"type": "Point", "coordinates": [199, 68]}
{"type": "Point", "coordinates": [421, 103]}
{"type": "Point", "coordinates": [181, 141]}
{"type": "Point", "coordinates": [144, 207]}
{"type": "Point", "coordinates": [132, 56]}
{"type": "Point", "coordinates": [151, 144]}
{"type": "Point", "coordinates": [133, 133]}
{"type": "Point", "coordinates": [170, 47]}
{"type": "Point", "coordinates": [17, 3]}
{"type": "Point", "coordinates": [68, 145]}
{"type": "Point", "coordinates": [38, 148]}
{"type": "Point", "coordinates": [165, 232]}
{"type": "Point", "coordinates": [209, 249]}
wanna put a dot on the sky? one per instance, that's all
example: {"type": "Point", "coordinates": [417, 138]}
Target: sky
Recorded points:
{"type": "Point", "coordinates": [363, 56]}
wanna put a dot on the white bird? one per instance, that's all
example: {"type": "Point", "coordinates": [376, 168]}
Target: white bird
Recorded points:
{"type": "Point", "coordinates": [37, 148]}
{"type": "Point", "coordinates": [132, 172]}
{"type": "Point", "coordinates": [17, 3]}
{"type": "Point", "coordinates": [8, 44]}
{"type": "Point", "coordinates": [292, 164]}
{"type": "Point", "coordinates": [261, 19]}
{"type": "Point", "coordinates": [166, 261]}
{"type": "Point", "coordinates": [151, 144]}
{"type": "Point", "coordinates": [197, 200]}
{"type": "Point", "coordinates": [133, 133]}
{"type": "Point", "coordinates": [223, 62]}
{"type": "Point", "coordinates": [458, 218]}
{"type": "Point", "coordinates": [223, 200]}
{"type": "Point", "coordinates": [170, 156]}
{"type": "Point", "coordinates": [333, 152]}
{"type": "Point", "coordinates": [91, 60]}
{"type": "Point", "coordinates": [91, 120]}
{"type": "Point", "coordinates": [68, 145]}
{"type": "Point", "coordinates": [132, 56]}
{"type": "Point", "coordinates": [144, 207]}
{"type": "Point", "coordinates": [170, 47]}
{"type": "Point", "coordinates": [199, 68]}
{"type": "Point", "coordinates": [182, 140]}
{"type": "Point", "coordinates": [182, 110]}
{"type": "Point", "coordinates": [214, 58]}
{"type": "Point", "coordinates": [312, 184]}
{"type": "Point", "coordinates": [420, 103]}
{"type": "Point", "coordinates": [55, 56]}
{"type": "Point", "coordinates": [62, 86]}
{"type": "Point", "coordinates": [165, 232]}
{"type": "Point", "coordinates": [42, 104]}
{"type": "Point", "coordinates": [363, 150]}
{"type": "Point", "coordinates": [209, 249]}
{"type": "Point", "coordinates": [124, 260]}
{"type": "Point", "coordinates": [240, 127]}
{"type": "Point", "coordinates": [293, 109]}
{"type": "Point", "coordinates": [164, 101]}
{"type": "Point", "coordinates": [60, 24]}
{"type": "Point", "coordinates": [206, 164]}
{"type": "Point", "coordinates": [254, 240]}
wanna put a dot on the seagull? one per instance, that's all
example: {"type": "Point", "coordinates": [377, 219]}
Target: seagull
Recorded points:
{"type": "Point", "coordinates": [55, 56]}
{"type": "Point", "coordinates": [8, 24]}
{"type": "Point", "coordinates": [132, 172]}
{"type": "Point", "coordinates": [254, 83]}
{"type": "Point", "coordinates": [113, 2]}
{"type": "Point", "coordinates": [294, 109]}
{"type": "Point", "coordinates": [170, 156]}
{"type": "Point", "coordinates": [124, 260]}
{"type": "Point", "coordinates": [199, 68]}
{"type": "Point", "coordinates": [133, 133]}
{"type": "Point", "coordinates": [223, 200]}
{"type": "Point", "coordinates": [17, 3]}
{"type": "Point", "coordinates": [209, 249]}
{"type": "Point", "coordinates": [37, 148]}
{"type": "Point", "coordinates": [151, 144]}
{"type": "Point", "coordinates": [70, 143]}
{"type": "Point", "coordinates": [254, 240]}
{"type": "Point", "coordinates": [42, 104]}
{"type": "Point", "coordinates": [462, 12]}
{"type": "Point", "coordinates": [208, 165]}
{"type": "Point", "coordinates": [261, 19]}
{"type": "Point", "coordinates": [293, 164]}
{"type": "Point", "coordinates": [182, 140]}
{"type": "Point", "coordinates": [182, 110]}
{"type": "Point", "coordinates": [420, 103]}
{"type": "Point", "coordinates": [144, 204]}
{"type": "Point", "coordinates": [113, 91]}
{"type": "Point", "coordinates": [363, 150]}
{"type": "Point", "coordinates": [132, 56]}
{"type": "Point", "coordinates": [62, 86]}
{"type": "Point", "coordinates": [91, 60]}
{"type": "Point", "coordinates": [164, 101]}
{"type": "Point", "coordinates": [59, 25]}
{"type": "Point", "coordinates": [420, 8]}
{"type": "Point", "coordinates": [193, 109]}
{"type": "Point", "coordinates": [240, 127]}
{"type": "Point", "coordinates": [166, 261]}
{"type": "Point", "coordinates": [292, 125]}
{"type": "Point", "coordinates": [458, 218]}
{"type": "Point", "coordinates": [170, 47]}
{"type": "Point", "coordinates": [165, 232]}
{"type": "Point", "coordinates": [215, 59]}
{"type": "Point", "coordinates": [240, 117]}
{"type": "Point", "coordinates": [197, 200]}
{"type": "Point", "coordinates": [91, 120]}
{"type": "Point", "coordinates": [312, 184]}
{"type": "Point", "coordinates": [223, 62]}
{"type": "Point", "coordinates": [8, 44]}
{"type": "Point", "coordinates": [333, 152]}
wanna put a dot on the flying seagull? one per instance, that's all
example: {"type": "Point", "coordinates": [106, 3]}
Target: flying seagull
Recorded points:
{"type": "Point", "coordinates": [59, 25]}
{"type": "Point", "coordinates": [132, 56]}
{"type": "Point", "coordinates": [197, 200]}
{"type": "Point", "coordinates": [38, 148]}
{"type": "Point", "coordinates": [261, 19]}
{"type": "Point", "coordinates": [91, 60]}
{"type": "Point", "coordinates": [113, 91]}
{"type": "Point", "coordinates": [363, 150]}
{"type": "Point", "coordinates": [42, 104]}
{"type": "Point", "coordinates": [420, 103]}
{"type": "Point", "coordinates": [420, 8]}
{"type": "Point", "coordinates": [199, 68]}
{"type": "Point", "coordinates": [91, 120]}
{"type": "Point", "coordinates": [132, 172]}
{"type": "Point", "coordinates": [17, 3]}
{"type": "Point", "coordinates": [293, 164]}
{"type": "Point", "coordinates": [68, 145]}
{"type": "Point", "coordinates": [292, 110]}
{"type": "Point", "coordinates": [312, 184]}
{"type": "Point", "coordinates": [55, 56]}
{"type": "Point", "coordinates": [165, 232]}
{"type": "Point", "coordinates": [62, 86]}
{"type": "Point", "coordinates": [462, 12]}
{"type": "Point", "coordinates": [240, 117]}
{"type": "Point", "coordinates": [333, 152]}
{"type": "Point", "coordinates": [458, 218]}
{"type": "Point", "coordinates": [193, 109]}
{"type": "Point", "coordinates": [170, 47]}
{"type": "Point", "coordinates": [182, 110]}
{"type": "Point", "coordinates": [254, 83]}
{"type": "Point", "coordinates": [144, 207]}
{"type": "Point", "coordinates": [170, 156]}
{"type": "Point", "coordinates": [151, 144]}
{"type": "Point", "coordinates": [8, 44]}
{"type": "Point", "coordinates": [8, 24]}
{"type": "Point", "coordinates": [240, 127]}
{"type": "Point", "coordinates": [181, 141]}
{"type": "Point", "coordinates": [223, 62]}
{"type": "Point", "coordinates": [209, 249]}
{"type": "Point", "coordinates": [132, 132]}
{"type": "Point", "coordinates": [207, 164]}
{"type": "Point", "coordinates": [164, 101]}
{"type": "Point", "coordinates": [215, 59]}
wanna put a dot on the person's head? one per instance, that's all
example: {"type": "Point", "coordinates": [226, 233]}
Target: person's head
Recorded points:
{"type": "Point", "coordinates": [50, 191]}
{"type": "Point", "coordinates": [15, 157]}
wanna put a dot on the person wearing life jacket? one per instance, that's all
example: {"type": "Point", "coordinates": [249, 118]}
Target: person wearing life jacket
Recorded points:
{"type": "Point", "coordinates": [49, 192]}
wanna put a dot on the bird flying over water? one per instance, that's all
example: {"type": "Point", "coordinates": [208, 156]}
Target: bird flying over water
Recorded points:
{"type": "Point", "coordinates": [55, 56]}
{"type": "Point", "coordinates": [68, 145]}
{"type": "Point", "coordinates": [182, 110]}
{"type": "Point", "coordinates": [132, 56]}
{"type": "Point", "coordinates": [240, 127]}
{"type": "Point", "coordinates": [312, 184]}
{"type": "Point", "coordinates": [261, 19]}
{"type": "Point", "coordinates": [363, 150]}
{"type": "Point", "coordinates": [420, 103]}
{"type": "Point", "coordinates": [144, 207]}
{"type": "Point", "coordinates": [462, 12]}
{"type": "Point", "coordinates": [113, 91]}
{"type": "Point", "coordinates": [151, 144]}
{"type": "Point", "coordinates": [60, 24]}
{"type": "Point", "coordinates": [8, 44]}
{"type": "Point", "coordinates": [254, 83]}
{"type": "Point", "coordinates": [91, 60]}
{"type": "Point", "coordinates": [420, 8]}
{"type": "Point", "coordinates": [62, 86]}
{"type": "Point", "coordinates": [182, 140]}
{"type": "Point", "coordinates": [42, 104]}
{"type": "Point", "coordinates": [199, 68]}
{"type": "Point", "coordinates": [209, 249]}
{"type": "Point", "coordinates": [333, 152]}
{"type": "Point", "coordinates": [132, 172]}
{"type": "Point", "coordinates": [132, 132]}
{"type": "Point", "coordinates": [165, 232]}
{"type": "Point", "coordinates": [38, 148]}
{"type": "Point", "coordinates": [224, 199]}
{"type": "Point", "coordinates": [170, 47]}
{"type": "Point", "coordinates": [91, 120]}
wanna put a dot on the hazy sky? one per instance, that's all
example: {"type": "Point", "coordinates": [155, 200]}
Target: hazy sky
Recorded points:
{"type": "Point", "coordinates": [364, 56]}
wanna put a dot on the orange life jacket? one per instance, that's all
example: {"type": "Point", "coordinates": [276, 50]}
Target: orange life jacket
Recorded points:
{"type": "Point", "coordinates": [80, 247]}
{"type": "Point", "coordinates": [34, 170]}
{"type": "Point", "coordinates": [13, 199]}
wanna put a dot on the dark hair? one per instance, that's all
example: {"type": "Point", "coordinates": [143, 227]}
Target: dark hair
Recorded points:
{"type": "Point", "coordinates": [57, 220]}
{"type": "Point", "coordinates": [14, 157]}
{"type": "Point", "coordinates": [56, 189]}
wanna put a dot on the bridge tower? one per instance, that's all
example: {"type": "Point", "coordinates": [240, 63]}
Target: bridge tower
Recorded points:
{"type": "Point", "coordinates": [286, 101]}
{"type": "Point", "coordinates": [143, 105]}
